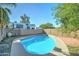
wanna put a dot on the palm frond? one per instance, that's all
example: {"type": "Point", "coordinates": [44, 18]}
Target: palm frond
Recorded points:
{"type": "Point", "coordinates": [8, 10]}
{"type": "Point", "coordinates": [7, 4]}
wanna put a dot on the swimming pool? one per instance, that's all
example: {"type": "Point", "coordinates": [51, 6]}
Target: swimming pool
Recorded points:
{"type": "Point", "coordinates": [39, 44]}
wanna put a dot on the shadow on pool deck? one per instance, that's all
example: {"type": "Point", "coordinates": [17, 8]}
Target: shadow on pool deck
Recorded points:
{"type": "Point", "coordinates": [57, 49]}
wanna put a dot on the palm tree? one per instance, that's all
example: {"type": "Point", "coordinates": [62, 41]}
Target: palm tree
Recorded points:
{"type": "Point", "coordinates": [4, 14]}
{"type": "Point", "coordinates": [25, 20]}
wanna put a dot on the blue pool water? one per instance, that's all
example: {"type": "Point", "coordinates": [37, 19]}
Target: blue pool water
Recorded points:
{"type": "Point", "coordinates": [39, 44]}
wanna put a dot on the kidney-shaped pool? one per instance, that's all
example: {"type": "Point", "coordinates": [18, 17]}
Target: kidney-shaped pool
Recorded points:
{"type": "Point", "coordinates": [39, 44]}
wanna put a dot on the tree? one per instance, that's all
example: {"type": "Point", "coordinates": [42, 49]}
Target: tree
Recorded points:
{"type": "Point", "coordinates": [68, 15]}
{"type": "Point", "coordinates": [25, 19]}
{"type": "Point", "coordinates": [4, 14]}
{"type": "Point", "coordinates": [46, 26]}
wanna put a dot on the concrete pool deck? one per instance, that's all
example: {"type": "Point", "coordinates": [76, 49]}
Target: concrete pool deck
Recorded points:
{"type": "Point", "coordinates": [61, 47]}
{"type": "Point", "coordinates": [18, 50]}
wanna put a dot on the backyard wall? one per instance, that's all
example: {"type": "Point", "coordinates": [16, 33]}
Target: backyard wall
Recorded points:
{"type": "Point", "coordinates": [31, 31]}
{"type": "Point", "coordinates": [53, 32]}
{"type": "Point", "coordinates": [18, 32]}
{"type": "Point", "coordinates": [59, 33]}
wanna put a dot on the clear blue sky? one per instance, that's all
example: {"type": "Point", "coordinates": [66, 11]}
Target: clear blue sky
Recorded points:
{"type": "Point", "coordinates": [39, 13]}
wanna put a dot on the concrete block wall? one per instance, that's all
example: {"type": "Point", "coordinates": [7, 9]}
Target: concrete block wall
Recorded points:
{"type": "Point", "coordinates": [31, 31]}
{"type": "Point", "coordinates": [18, 32]}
